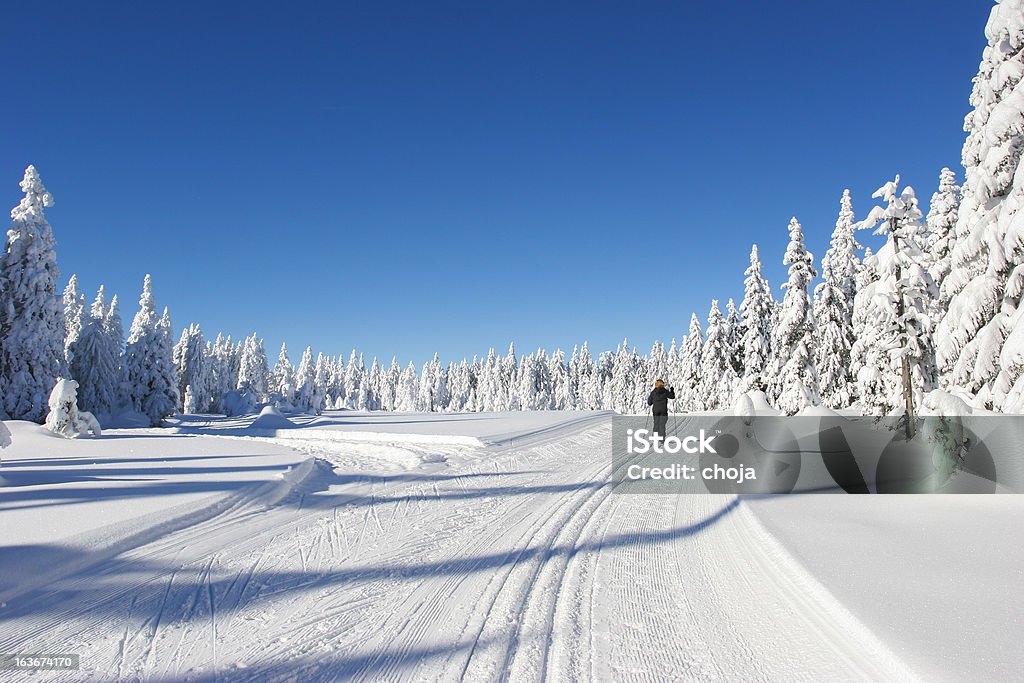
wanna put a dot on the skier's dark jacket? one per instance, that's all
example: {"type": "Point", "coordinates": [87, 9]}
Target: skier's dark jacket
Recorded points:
{"type": "Point", "coordinates": [659, 400]}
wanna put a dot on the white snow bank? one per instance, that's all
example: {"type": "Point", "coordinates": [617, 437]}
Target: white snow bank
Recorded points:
{"type": "Point", "coordinates": [818, 411]}
{"type": "Point", "coordinates": [753, 403]}
{"type": "Point", "coordinates": [271, 418]}
{"type": "Point", "coordinates": [931, 576]}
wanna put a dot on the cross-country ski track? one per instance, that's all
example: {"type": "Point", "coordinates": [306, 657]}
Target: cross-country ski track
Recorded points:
{"type": "Point", "coordinates": [512, 562]}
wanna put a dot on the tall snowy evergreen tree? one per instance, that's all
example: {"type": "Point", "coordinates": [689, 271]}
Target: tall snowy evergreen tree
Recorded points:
{"type": "Point", "coordinates": [75, 316]}
{"type": "Point", "coordinates": [194, 368]}
{"type": "Point", "coordinates": [114, 328]}
{"type": "Point", "coordinates": [253, 368]}
{"type": "Point", "coordinates": [282, 381]}
{"type": "Point", "coordinates": [688, 391]}
{"type": "Point", "coordinates": [734, 339]}
{"type": "Point", "coordinates": [980, 340]}
{"type": "Point", "coordinates": [305, 381]}
{"type": "Point", "coordinates": [714, 361]}
{"type": "Point", "coordinates": [96, 363]}
{"type": "Point", "coordinates": [903, 295]}
{"type": "Point", "coordinates": [758, 313]}
{"type": "Point", "coordinates": [941, 221]}
{"type": "Point", "coordinates": [833, 312]}
{"type": "Point", "coordinates": [149, 364]}
{"type": "Point", "coordinates": [796, 378]}
{"type": "Point", "coordinates": [31, 319]}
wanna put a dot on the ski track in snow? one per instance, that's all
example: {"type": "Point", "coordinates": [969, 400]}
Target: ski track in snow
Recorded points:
{"type": "Point", "coordinates": [516, 563]}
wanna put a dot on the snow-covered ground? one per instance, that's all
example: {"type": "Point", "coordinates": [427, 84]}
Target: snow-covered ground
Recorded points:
{"type": "Point", "coordinates": [476, 547]}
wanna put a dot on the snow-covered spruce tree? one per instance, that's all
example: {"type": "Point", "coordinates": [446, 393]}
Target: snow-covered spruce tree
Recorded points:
{"type": "Point", "coordinates": [903, 295]}
{"type": "Point", "coordinates": [623, 386]}
{"type": "Point", "coordinates": [282, 379]}
{"type": "Point", "coordinates": [372, 384]}
{"type": "Point", "coordinates": [194, 368]}
{"type": "Point", "coordinates": [31, 319]}
{"type": "Point", "coordinates": [688, 391]}
{"type": "Point", "coordinates": [714, 359]}
{"type": "Point", "coordinates": [305, 381]}
{"type": "Point", "coordinates": [563, 392]}
{"type": "Point", "coordinates": [433, 386]}
{"type": "Point", "coordinates": [734, 338]}
{"type": "Point", "coordinates": [877, 385]}
{"type": "Point", "coordinates": [96, 362]}
{"type": "Point", "coordinates": [833, 312]}
{"type": "Point", "coordinates": [588, 379]}
{"type": "Point", "coordinates": [757, 308]}
{"type": "Point", "coordinates": [980, 340]}
{"type": "Point", "coordinates": [408, 390]}
{"type": "Point", "coordinates": [64, 417]}
{"type": "Point", "coordinates": [321, 380]}
{"type": "Point", "coordinates": [149, 364]}
{"type": "Point", "coordinates": [941, 221]}
{"type": "Point", "coordinates": [75, 316]}
{"type": "Point", "coordinates": [115, 333]}
{"type": "Point", "coordinates": [253, 368]}
{"type": "Point", "coordinates": [796, 378]}
{"type": "Point", "coordinates": [656, 368]}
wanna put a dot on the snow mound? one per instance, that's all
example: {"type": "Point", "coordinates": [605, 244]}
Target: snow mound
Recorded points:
{"type": "Point", "coordinates": [945, 404]}
{"type": "Point", "coordinates": [753, 403]}
{"type": "Point", "coordinates": [818, 411]}
{"type": "Point", "coordinates": [271, 418]}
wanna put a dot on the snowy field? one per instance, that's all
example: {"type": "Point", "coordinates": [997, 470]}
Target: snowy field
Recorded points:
{"type": "Point", "coordinates": [390, 546]}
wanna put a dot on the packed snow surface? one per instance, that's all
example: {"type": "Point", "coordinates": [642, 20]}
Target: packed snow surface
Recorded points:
{"type": "Point", "coordinates": [476, 547]}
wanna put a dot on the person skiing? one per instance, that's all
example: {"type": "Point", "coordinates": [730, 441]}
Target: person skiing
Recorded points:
{"type": "Point", "coordinates": [658, 400]}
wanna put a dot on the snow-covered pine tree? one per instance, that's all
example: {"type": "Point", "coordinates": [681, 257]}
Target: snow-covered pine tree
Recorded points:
{"type": "Point", "coordinates": [833, 312]}
{"type": "Point", "coordinates": [877, 385]}
{"type": "Point", "coordinates": [563, 393]}
{"type": "Point", "coordinates": [408, 389]}
{"type": "Point", "coordinates": [688, 391]}
{"type": "Point", "coordinates": [114, 328]}
{"type": "Point", "coordinates": [305, 381]}
{"type": "Point", "coordinates": [75, 316]}
{"type": "Point", "coordinates": [321, 380]}
{"type": "Point", "coordinates": [657, 367]}
{"type": "Point", "coordinates": [905, 293]}
{"type": "Point", "coordinates": [980, 339]}
{"type": "Point", "coordinates": [253, 368]}
{"type": "Point", "coordinates": [282, 379]}
{"type": "Point", "coordinates": [714, 359]}
{"type": "Point", "coordinates": [796, 379]}
{"type": "Point", "coordinates": [193, 368]}
{"type": "Point", "coordinates": [31, 319]}
{"type": "Point", "coordinates": [96, 362]}
{"type": "Point", "coordinates": [372, 383]}
{"type": "Point", "coordinates": [757, 308]}
{"type": "Point", "coordinates": [149, 365]}
{"type": "Point", "coordinates": [941, 221]}
{"type": "Point", "coordinates": [734, 338]}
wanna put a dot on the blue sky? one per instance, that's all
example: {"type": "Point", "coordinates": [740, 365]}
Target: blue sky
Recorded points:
{"type": "Point", "coordinates": [411, 177]}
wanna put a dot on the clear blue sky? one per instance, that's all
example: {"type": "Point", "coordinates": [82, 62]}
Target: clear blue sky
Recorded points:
{"type": "Point", "coordinates": [410, 177]}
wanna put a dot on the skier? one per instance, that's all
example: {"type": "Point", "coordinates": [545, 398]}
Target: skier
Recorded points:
{"type": "Point", "coordinates": [658, 400]}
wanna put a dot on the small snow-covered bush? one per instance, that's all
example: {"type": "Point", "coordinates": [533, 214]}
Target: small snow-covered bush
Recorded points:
{"type": "Point", "coordinates": [64, 417]}
{"type": "Point", "coordinates": [5, 436]}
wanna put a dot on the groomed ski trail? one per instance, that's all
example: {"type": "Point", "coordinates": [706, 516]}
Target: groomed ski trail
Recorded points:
{"type": "Point", "coordinates": [518, 565]}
